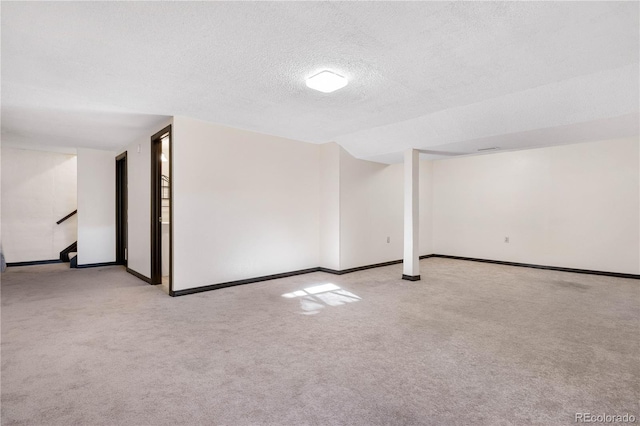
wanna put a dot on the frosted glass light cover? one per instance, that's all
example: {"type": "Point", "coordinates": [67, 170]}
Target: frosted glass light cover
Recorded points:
{"type": "Point", "coordinates": [326, 82]}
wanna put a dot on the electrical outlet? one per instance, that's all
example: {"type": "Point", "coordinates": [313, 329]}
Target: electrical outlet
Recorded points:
{"type": "Point", "coordinates": [388, 239]}
{"type": "Point", "coordinates": [506, 239]}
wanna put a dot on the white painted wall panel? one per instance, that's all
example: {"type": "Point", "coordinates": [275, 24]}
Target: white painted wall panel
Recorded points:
{"type": "Point", "coordinates": [330, 206]}
{"type": "Point", "coordinates": [38, 189]}
{"type": "Point", "coordinates": [246, 204]}
{"type": "Point", "coordinates": [139, 205]}
{"type": "Point", "coordinates": [139, 201]}
{"type": "Point", "coordinates": [573, 206]}
{"type": "Point", "coordinates": [371, 209]}
{"type": "Point", "coordinates": [96, 206]}
{"type": "Point", "coordinates": [426, 208]}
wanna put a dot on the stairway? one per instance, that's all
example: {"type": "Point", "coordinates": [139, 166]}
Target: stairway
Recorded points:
{"type": "Point", "coordinates": [70, 254]}
{"type": "Point", "coordinates": [73, 259]}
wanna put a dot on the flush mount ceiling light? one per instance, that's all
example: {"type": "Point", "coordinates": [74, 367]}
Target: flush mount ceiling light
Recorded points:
{"type": "Point", "coordinates": [326, 82]}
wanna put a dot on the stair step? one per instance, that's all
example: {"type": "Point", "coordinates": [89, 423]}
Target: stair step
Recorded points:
{"type": "Point", "coordinates": [73, 259]}
{"type": "Point", "coordinates": [64, 254]}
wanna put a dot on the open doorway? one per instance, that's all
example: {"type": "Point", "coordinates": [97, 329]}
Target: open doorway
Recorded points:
{"type": "Point", "coordinates": [161, 210]}
{"type": "Point", "coordinates": [121, 209]}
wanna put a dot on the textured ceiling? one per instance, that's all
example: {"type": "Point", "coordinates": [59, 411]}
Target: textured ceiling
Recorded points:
{"type": "Point", "coordinates": [450, 76]}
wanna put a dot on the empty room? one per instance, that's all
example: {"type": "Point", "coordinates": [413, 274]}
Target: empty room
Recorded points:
{"type": "Point", "coordinates": [320, 213]}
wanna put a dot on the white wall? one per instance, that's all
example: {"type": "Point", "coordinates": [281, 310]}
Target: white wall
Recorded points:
{"type": "Point", "coordinates": [38, 189]}
{"type": "Point", "coordinates": [139, 205]}
{"type": "Point", "coordinates": [573, 206]}
{"type": "Point", "coordinates": [245, 204]}
{"type": "Point", "coordinates": [248, 205]}
{"type": "Point", "coordinates": [139, 201]}
{"type": "Point", "coordinates": [329, 206]}
{"type": "Point", "coordinates": [371, 209]}
{"type": "Point", "coordinates": [426, 208]}
{"type": "Point", "coordinates": [96, 206]}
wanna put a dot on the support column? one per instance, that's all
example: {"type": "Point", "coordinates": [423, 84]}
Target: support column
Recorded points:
{"type": "Point", "coordinates": [411, 261]}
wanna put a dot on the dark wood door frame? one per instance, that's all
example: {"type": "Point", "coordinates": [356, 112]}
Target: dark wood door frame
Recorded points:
{"type": "Point", "coordinates": [156, 208]}
{"type": "Point", "coordinates": [121, 209]}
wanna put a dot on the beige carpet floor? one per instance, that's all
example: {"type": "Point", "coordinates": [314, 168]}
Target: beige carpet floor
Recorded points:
{"type": "Point", "coordinates": [471, 343]}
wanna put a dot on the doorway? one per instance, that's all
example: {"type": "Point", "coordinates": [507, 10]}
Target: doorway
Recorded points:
{"type": "Point", "coordinates": [161, 210]}
{"type": "Point", "coordinates": [121, 209]}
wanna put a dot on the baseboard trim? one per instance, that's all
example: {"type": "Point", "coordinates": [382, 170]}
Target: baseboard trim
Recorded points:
{"type": "Point", "coordinates": [378, 265]}
{"type": "Point", "coordinates": [359, 268]}
{"type": "Point", "coordinates": [96, 265]}
{"type": "Point", "coordinates": [34, 262]}
{"type": "Point", "coordinates": [240, 282]}
{"type": "Point", "coordinates": [139, 275]}
{"type": "Point", "coordinates": [285, 275]}
{"type": "Point", "coordinates": [551, 268]}
{"type": "Point", "coordinates": [411, 277]}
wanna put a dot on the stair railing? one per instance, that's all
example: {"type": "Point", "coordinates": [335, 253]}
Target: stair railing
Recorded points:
{"type": "Point", "coordinates": [66, 217]}
{"type": "Point", "coordinates": [64, 254]}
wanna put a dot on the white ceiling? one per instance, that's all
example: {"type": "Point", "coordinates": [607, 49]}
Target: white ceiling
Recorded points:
{"type": "Point", "coordinates": [446, 76]}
